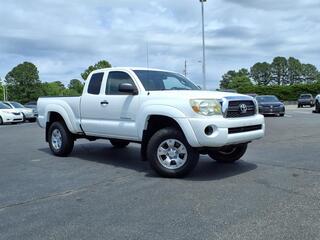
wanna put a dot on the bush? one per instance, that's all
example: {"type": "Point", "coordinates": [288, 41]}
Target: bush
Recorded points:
{"type": "Point", "coordinates": [285, 93]}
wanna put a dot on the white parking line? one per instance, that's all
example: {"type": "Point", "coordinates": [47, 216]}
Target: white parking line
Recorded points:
{"type": "Point", "coordinates": [302, 112]}
{"type": "Point", "coordinates": [287, 115]}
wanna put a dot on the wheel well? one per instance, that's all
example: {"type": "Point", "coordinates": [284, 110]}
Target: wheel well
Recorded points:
{"type": "Point", "coordinates": [53, 117]}
{"type": "Point", "coordinates": [155, 123]}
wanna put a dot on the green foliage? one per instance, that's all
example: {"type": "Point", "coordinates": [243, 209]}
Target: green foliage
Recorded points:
{"type": "Point", "coordinates": [285, 78]}
{"type": "Point", "coordinates": [52, 88]}
{"type": "Point", "coordinates": [233, 79]}
{"type": "Point", "coordinates": [99, 65]}
{"type": "Point", "coordinates": [279, 67]}
{"type": "Point", "coordinates": [261, 73]}
{"type": "Point", "coordinates": [75, 86]}
{"type": "Point", "coordinates": [285, 93]}
{"type": "Point", "coordinates": [23, 83]}
{"type": "Point", "coordinates": [1, 91]}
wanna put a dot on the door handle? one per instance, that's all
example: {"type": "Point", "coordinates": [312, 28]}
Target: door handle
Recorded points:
{"type": "Point", "coordinates": [105, 102]}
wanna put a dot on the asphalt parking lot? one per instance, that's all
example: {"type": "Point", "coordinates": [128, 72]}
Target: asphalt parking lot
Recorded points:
{"type": "Point", "coordinates": [104, 193]}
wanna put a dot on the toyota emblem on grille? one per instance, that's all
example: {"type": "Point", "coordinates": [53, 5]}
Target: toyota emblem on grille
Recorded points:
{"type": "Point", "coordinates": [243, 108]}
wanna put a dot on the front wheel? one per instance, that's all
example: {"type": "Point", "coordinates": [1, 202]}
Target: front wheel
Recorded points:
{"type": "Point", "coordinates": [32, 120]}
{"type": "Point", "coordinates": [169, 153]}
{"type": "Point", "coordinates": [228, 154]}
{"type": "Point", "coordinates": [317, 109]}
{"type": "Point", "coordinates": [61, 141]}
{"type": "Point", "coordinates": [1, 121]}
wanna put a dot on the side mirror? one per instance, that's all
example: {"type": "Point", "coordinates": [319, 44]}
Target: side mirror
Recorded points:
{"type": "Point", "coordinates": [128, 88]}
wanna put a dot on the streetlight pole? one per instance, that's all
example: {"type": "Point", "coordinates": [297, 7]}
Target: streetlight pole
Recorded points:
{"type": "Point", "coordinates": [203, 48]}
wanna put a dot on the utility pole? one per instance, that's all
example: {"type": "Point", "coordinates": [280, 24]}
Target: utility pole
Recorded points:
{"type": "Point", "coordinates": [203, 48]}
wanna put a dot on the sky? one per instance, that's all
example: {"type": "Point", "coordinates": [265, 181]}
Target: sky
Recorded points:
{"type": "Point", "coordinates": [64, 37]}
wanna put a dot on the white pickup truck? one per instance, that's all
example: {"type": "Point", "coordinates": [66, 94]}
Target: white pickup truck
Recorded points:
{"type": "Point", "coordinates": [172, 119]}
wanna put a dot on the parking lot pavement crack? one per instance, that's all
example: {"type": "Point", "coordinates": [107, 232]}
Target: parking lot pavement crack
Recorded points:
{"type": "Point", "coordinates": [107, 182]}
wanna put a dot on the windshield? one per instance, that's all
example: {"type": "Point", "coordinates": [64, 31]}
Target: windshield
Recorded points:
{"type": "Point", "coordinates": [3, 106]}
{"type": "Point", "coordinates": [158, 80]}
{"type": "Point", "coordinates": [305, 96]}
{"type": "Point", "coordinates": [16, 105]}
{"type": "Point", "coordinates": [267, 99]}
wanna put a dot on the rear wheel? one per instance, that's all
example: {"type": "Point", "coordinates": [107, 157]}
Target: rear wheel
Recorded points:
{"type": "Point", "coordinates": [119, 143]}
{"type": "Point", "coordinates": [228, 154]}
{"type": "Point", "coordinates": [1, 121]}
{"type": "Point", "coordinates": [169, 153]}
{"type": "Point", "coordinates": [281, 114]}
{"type": "Point", "coordinates": [61, 141]}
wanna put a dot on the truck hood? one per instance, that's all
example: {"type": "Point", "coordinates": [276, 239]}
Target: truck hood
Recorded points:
{"type": "Point", "coordinates": [191, 94]}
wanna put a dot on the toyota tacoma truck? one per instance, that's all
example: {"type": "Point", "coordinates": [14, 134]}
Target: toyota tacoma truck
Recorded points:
{"type": "Point", "coordinates": [170, 116]}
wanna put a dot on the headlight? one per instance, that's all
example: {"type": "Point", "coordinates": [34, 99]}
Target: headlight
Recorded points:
{"type": "Point", "coordinates": [206, 107]}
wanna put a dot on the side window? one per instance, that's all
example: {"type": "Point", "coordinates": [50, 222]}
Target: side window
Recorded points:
{"type": "Point", "coordinates": [95, 83]}
{"type": "Point", "coordinates": [114, 80]}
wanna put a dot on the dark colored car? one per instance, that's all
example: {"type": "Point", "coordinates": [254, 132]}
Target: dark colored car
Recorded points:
{"type": "Point", "coordinates": [33, 105]}
{"type": "Point", "coordinates": [270, 105]}
{"type": "Point", "coordinates": [305, 99]}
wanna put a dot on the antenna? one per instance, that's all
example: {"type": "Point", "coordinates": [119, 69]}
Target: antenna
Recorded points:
{"type": "Point", "coordinates": [147, 54]}
{"type": "Point", "coordinates": [185, 68]}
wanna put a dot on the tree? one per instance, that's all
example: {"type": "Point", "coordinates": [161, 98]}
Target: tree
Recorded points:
{"type": "Point", "coordinates": [53, 88]}
{"type": "Point", "coordinates": [294, 71]}
{"type": "Point", "coordinates": [240, 82]}
{"type": "Point", "coordinates": [309, 73]}
{"type": "Point", "coordinates": [226, 78]}
{"type": "Point", "coordinates": [261, 73]}
{"type": "Point", "coordinates": [1, 90]}
{"type": "Point", "coordinates": [99, 65]}
{"type": "Point", "coordinates": [279, 68]}
{"type": "Point", "coordinates": [76, 86]}
{"type": "Point", "coordinates": [233, 79]}
{"type": "Point", "coordinates": [23, 82]}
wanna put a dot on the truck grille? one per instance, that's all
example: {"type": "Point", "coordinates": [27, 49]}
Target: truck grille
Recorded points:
{"type": "Point", "coordinates": [244, 129]}
{"type": "Point", "coordinates": [243, 108]}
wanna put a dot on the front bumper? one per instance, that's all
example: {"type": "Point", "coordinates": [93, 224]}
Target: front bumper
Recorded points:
{"type": "Point", "coordinates": [12, 118]}
{"type": "Point", "coordinates": [194, 129]}
{"type": "Point", "coordinates": [274, 110]}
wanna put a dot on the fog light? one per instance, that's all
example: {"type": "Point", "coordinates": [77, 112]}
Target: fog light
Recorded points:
{"type": "Point", "coordinates": [209, 130]}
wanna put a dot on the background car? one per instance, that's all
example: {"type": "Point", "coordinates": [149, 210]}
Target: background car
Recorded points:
{"type": "Point", "coordinates": [9, 115]}
{"type": "Point", "coordinates": [270, 105]}
{"type": "Point", "coordinates": [317, 104]}
{"type": "Point", "coordinates": [33, 105]}
{"type": "Point", "coordinates": [305, 99]}
{"type": "Point", "coordinates": [28, 113]}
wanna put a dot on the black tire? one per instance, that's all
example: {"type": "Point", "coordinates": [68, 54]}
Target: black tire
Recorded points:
{"type": "Point", "coordinates": [32, 120]}
{"type": "Point", "coordinates": [1, 121]}
{"type": "Point", "coordinates": [281, 114]}
{"type": "Point", "coordinates": [229, 154]}
{"type": "Point", "coordinates": [67, 140]}
{"type": "Point", "coordinates": [317, 108]}
{"type": "Point", "coordinates": [299, 106]}
{"type": "Point", "coordinates": [119, 143]}
{"type": "Point", "coordinates": [190, 155]}
{"type": "Point", "coordinates": [23, 118]}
